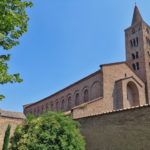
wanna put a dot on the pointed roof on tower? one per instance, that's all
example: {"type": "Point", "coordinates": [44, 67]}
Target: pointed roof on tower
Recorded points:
{"type": "Point", "coordinates": [136, 16]}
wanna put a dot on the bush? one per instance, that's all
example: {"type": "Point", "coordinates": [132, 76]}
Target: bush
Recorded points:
{"type": "Point", "coordinates": [51, 131]}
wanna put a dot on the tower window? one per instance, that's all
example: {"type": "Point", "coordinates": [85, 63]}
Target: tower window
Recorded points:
{"type": "Point", "coordinates": [134, 42]}
{"type": "Point", "coordinates": [148, 53]}
{"type": "Point", "coordinates": [147, 30]}
{"type": "Point", "coordinates": [133, 56]}
{"type": "Point", "coordinates": [134, 67]}
{"type": "Point", "coordinates": [137, 41]}
{"type": "Point", "coordinates": [133, 31]}
{"type": "Point", "coordinates": [148, 41]}
{"type": "Point", "coordinates": [131, 43]}
{"type": "Point", "coordinates": [137, 55]}
{"type": "Point", "coordinates": [137, 66]}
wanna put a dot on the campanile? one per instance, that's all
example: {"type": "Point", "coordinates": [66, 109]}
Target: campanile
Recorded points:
{"type": "Point", "coordinates": [137, 38]}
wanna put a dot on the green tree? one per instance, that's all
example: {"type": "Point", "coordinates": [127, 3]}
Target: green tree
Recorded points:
{"type": "Point", "coordinates": [51, 131]}
{"type": "Point", "coordinates": [6, 138]}
{"type": "Point", "coordinates": [13, 23]}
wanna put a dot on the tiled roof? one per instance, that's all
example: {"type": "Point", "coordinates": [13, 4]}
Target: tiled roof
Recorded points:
{"type": "Point", "coordinates": [11, 114]}
{"type": "Point", "coordinates": [86, 103]}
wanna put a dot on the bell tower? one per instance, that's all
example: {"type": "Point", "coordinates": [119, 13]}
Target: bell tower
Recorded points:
{"type": "Point", "coordinates": [137, 38]}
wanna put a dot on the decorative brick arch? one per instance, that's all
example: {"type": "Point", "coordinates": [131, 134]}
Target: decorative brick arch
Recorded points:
{"type": "Point", "coordinates": [132, 94]}
{"type": "Point", "coordinates": [95, 90]}
{"type": "Point", "coordinates": [69, 102]}
{"type": "Point", "coordinates": [85, 94]}
{"type": "Point", "coordinates": [62, 105]}
{"type": "Point", "coordinates": [76, 97]}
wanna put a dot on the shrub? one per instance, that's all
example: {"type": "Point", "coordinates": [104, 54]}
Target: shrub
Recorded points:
{"type": "Point", "coordinates": [51, 131]}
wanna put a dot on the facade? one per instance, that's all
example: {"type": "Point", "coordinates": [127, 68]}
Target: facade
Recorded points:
{"type": "Point", "coordinates": [114, 86]}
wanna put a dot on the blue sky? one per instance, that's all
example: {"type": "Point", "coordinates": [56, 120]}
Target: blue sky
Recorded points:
{"type": "Point", "coordinates": [66, 41]}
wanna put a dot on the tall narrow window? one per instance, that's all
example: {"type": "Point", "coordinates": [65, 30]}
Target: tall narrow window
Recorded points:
{"type": "Point", "coordinates": [134, 67]}
{"type": "Point", "coordinates": [148, 53]}
{"type": "Point", "coordinates": [134, 42]}
{"type": "Point", "coordinates": [137, 41]}
{"type": "Point", "coordinates": [137, 55]}
{"type": "Point", "coordinates": [133, 56]}
{"type": "Point", "coordinates": [52, 106]}
{"type": "Point", "coordinates": [38, 111]}
{"type": "Point", "coordinates": [57, 108]}
{"type": "Point", "coordinates": [131, 43]}
{"type": "Point", "coordinates": [69, 102]}
{"type": "Point", "coordinates": [42, 108]}
{"type": "Point", "coordinates": [46, 106]}
{"type": "Point", "coordinates": [86, 95]}
{"type": "Point", "coordinates": [137, 66]}
{"type": "Point", "coordinates": [62, 105]}
{"type": "Point", "coordinates": [77, 99]}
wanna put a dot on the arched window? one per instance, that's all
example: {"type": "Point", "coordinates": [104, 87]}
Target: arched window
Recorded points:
{"type": "Point", "coordinates": [133, 56]}
{"type": "Point", "coordinates": [69, 102]}
{"type": "Point", "coordinates": [134, 42]}
{"type": "Point", "coordinates": [42, 108]}
{"type": "Point", "coordinates": [62, 104]}
{"type": "Point", "coordinates": [137, 66]}
{"type": "Point", "coordinates": [131, 43]}
{"type": "Point", "coordinates": [86, 95]}
{"type": "Point", "coordinates": [95, 90]}
{"type": "Point", "coordinates": [34, 111]}
{"type": "Point", "coordinates": [52, 107]}
{"type": "Point", "coordinates": [137, 41]}
{"type": "Point", "coordinates": [137, 55]}
{"type": "Point", "coordinates": [38, 111]}
{"type": "Point", "coordinates": [132, 94]}
{"type": "Point", "coordinates": [134, 67]}
{"type": "Point", "coordinates": [77, 99]}
{"type": "Point", "coordinates": [57, 107]}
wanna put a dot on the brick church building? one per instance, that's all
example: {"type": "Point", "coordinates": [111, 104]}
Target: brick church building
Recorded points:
{"type": "Point", "coordinates": [113, 87]}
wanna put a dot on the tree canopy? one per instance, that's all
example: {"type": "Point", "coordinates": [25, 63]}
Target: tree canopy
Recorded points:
{"type": "Point", "coordinates": [13, 23]}
{"type": "Point", "coordinates": [51, 131]}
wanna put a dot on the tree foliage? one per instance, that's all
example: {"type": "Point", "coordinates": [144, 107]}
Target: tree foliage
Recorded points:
{"type": "Point", "coordinates": [13, 23]}
{"type": "Point", "coordinates": [6, 138]}
{"type": "Point", "coordinates": [51, 131]}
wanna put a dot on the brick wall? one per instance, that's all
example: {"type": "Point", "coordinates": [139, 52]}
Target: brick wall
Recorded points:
{"type": "Point", "coordinates": [59, 101]}
{"type": "Point", "coordinates": [4, 121]}
{"type": "Point", "coordinates": [124, 130]}
{"type": "Point", "coordinates": [113, 93]}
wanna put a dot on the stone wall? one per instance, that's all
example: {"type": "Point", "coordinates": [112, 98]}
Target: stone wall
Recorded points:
{"type": "Point", "coordinates": [12, 118]}
{"type": "Point", "coordinates": [120, 130]}
{"type": "Point", "coordinates": [4, 121]}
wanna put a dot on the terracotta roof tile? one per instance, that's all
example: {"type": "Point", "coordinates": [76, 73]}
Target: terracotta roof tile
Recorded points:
{"type": "Point", "coordinates": [11, 114]}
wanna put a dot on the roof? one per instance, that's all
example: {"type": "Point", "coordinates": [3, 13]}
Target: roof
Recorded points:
{"type": "Point", "coordinates": [87, 77]}
{"type": "Point", "coordinates": [136, 16]}
{"type": "Point", "coordinates": [129, 78]}
{"type": "Point", "coordinates": [113, 111]}
{"type": "Point", "coordinates": [86, 103]}
{"type": "Point", "coordinates": [115, 63]}
{"type": "Point", "coordinates": [11, 114]}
